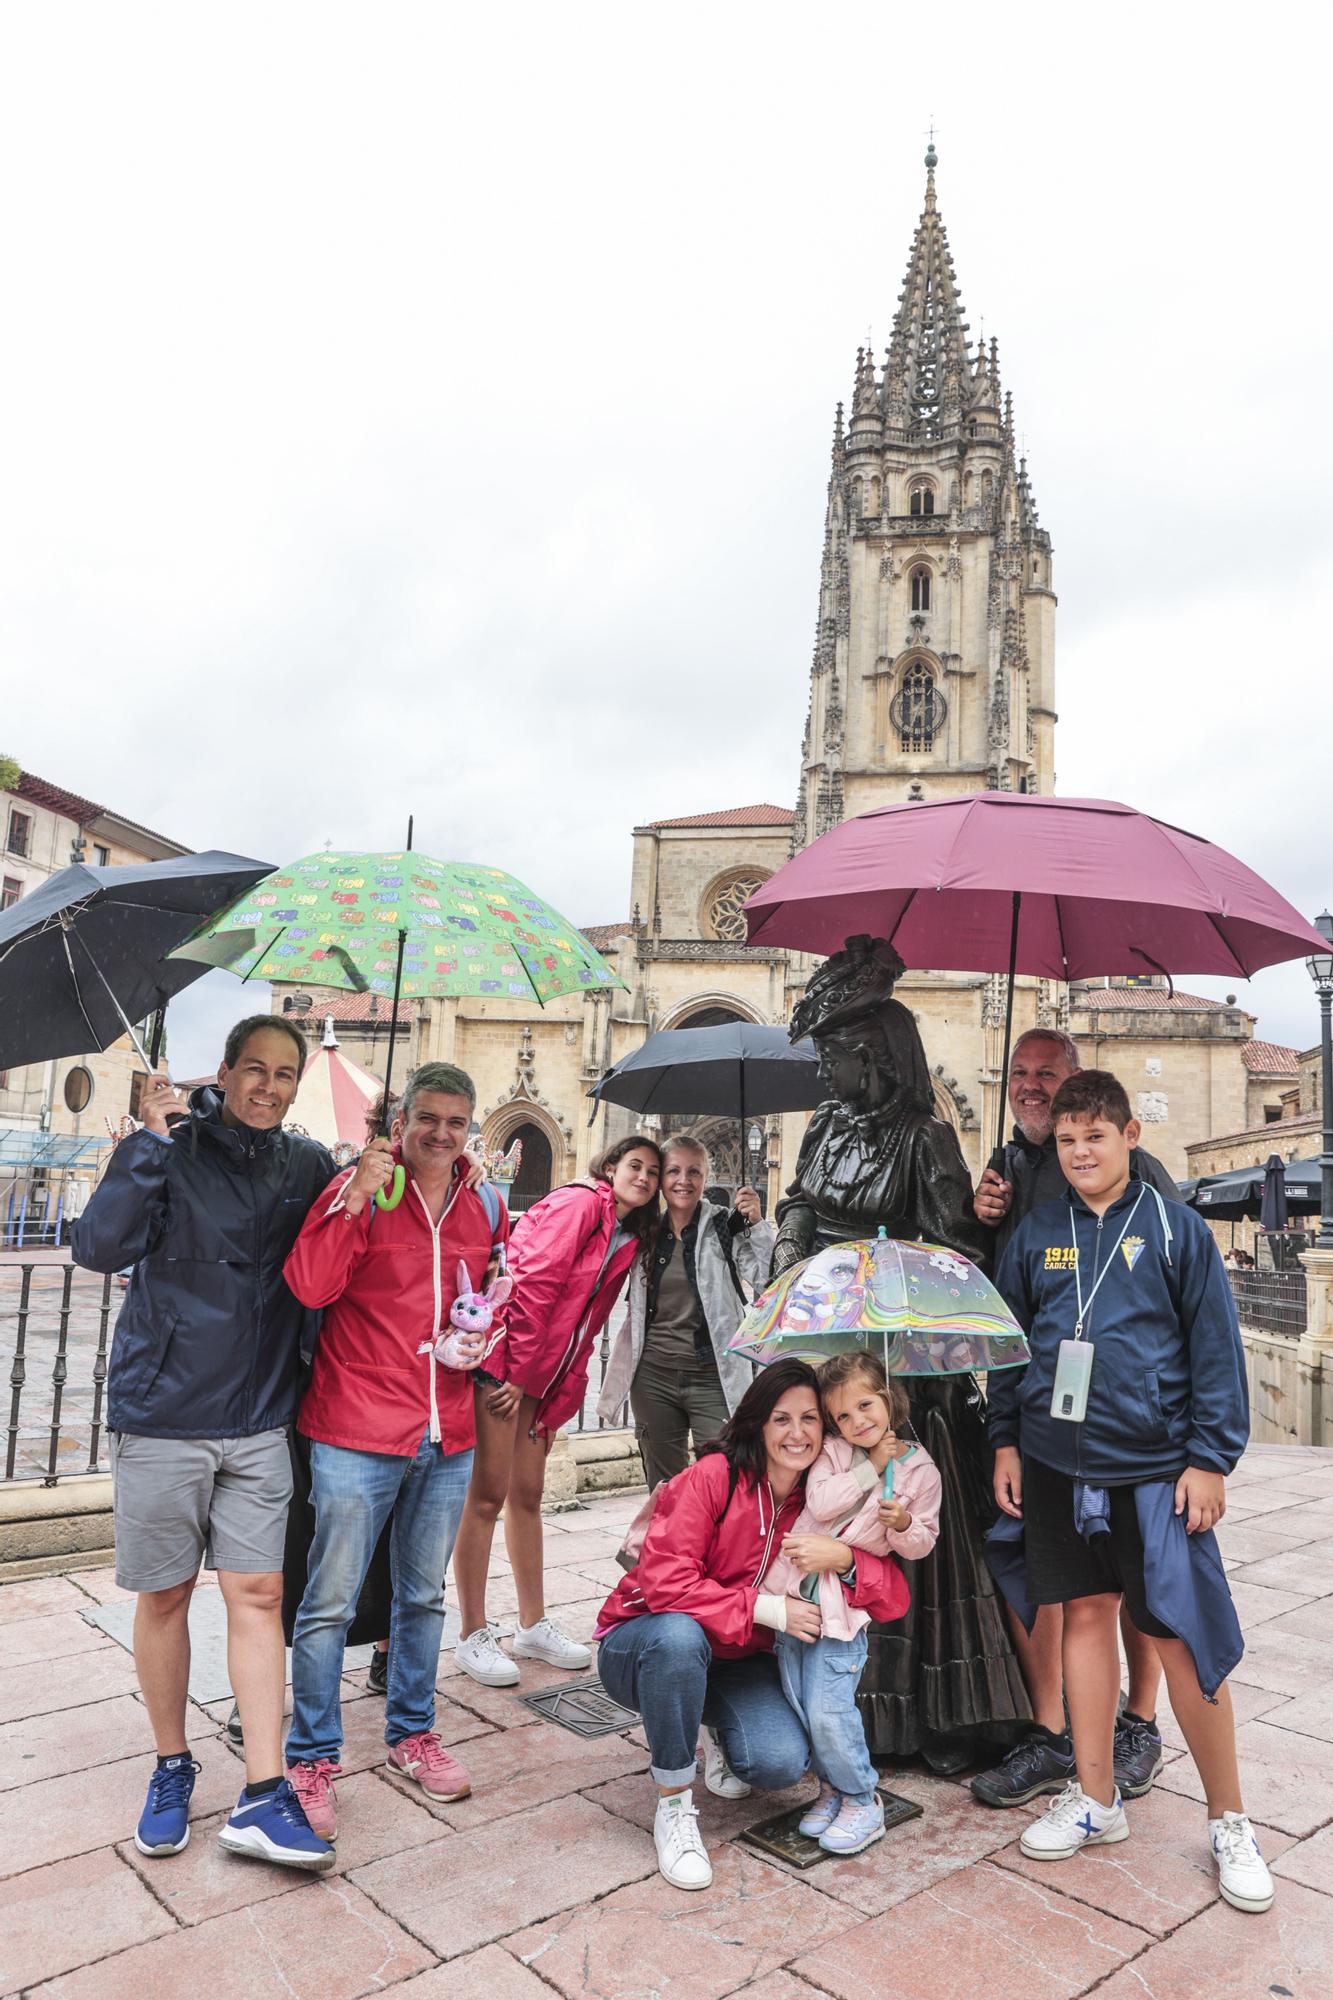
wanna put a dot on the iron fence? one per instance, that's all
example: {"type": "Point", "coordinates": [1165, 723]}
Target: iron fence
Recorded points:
{"type": "Point", "coordinates": [1270, 1301]}
{"type": "Point", "coordinates": [56, 1323]}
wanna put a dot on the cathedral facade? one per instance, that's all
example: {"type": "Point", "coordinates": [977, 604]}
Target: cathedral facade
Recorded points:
{"type": "Point", "coordinates": [933, 673]}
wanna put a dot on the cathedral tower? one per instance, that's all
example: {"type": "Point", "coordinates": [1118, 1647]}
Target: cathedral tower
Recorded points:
{"type": "Point", "coordinates": [934, 662]}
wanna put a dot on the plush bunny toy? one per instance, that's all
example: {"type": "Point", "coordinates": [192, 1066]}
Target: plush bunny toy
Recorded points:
{"type": "Point", "coordinates": [470, 1319]}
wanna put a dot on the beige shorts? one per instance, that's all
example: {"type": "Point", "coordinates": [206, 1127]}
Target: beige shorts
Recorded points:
{"type": "Point", "coordinates": [178, 1501]}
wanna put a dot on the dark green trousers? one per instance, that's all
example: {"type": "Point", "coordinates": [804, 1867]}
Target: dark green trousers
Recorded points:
{"type": "Point", "coordinates": [673, 1405]}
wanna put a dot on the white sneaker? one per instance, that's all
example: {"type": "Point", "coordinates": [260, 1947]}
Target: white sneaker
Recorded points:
{"type": "Point", "coordinates": [681, 1854]}
{"type": "Point", "coordinates": [719, 1777]}
{"type": "Point", "coordinates": [1073, 1822]}
{"type": "Point", "coordinates": [545, 1641]}
{"type": "Point", "coordinates": [1242, 1873]}
{"type": "Point", "coordinates": [479, 1654]}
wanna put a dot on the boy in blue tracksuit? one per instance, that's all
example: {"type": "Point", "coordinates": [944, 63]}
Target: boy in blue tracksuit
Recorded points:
{"type": "Point", "coordinates": [1112, 1448]}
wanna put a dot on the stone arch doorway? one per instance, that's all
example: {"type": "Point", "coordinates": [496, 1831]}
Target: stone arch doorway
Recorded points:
{"type": "Point", "coordinates": [536, 1168]}
{"type": "Point", "coordinates": [729, 1165]}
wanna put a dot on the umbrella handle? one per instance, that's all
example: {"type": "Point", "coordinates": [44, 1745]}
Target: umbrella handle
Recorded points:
{"type": "Point", "coordinates": [888, 1481]}
{"type": "Point", "coordinates": [383, 1200]}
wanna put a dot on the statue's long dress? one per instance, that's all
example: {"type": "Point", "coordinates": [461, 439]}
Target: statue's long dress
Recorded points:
{"type": "Point", "coordinates": [948, 1668]}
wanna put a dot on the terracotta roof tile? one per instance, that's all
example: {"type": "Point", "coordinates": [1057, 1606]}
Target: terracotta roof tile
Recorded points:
{"type": "Point", "coordinates": [351, 1007]}
{"type": "Point", "coordinates": [602, 937]}
{"type": "Point", "coordinates": [732, 816]}
{"type": "Point", "coordinates": [54, 798]}
{"type": "Point", "coordinates": [1143, 999]}
{"type": "Point", "coordinates": [1270, 1058]}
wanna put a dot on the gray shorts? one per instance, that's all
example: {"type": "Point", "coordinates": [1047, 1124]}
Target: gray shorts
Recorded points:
{"type": "Point", "coordinates": [179, 1499]}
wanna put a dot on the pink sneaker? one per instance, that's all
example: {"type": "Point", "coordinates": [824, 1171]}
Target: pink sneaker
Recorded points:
{"type": "Point", "coordinates": [425, 1759]}
{"type": "Point", "coordinates": [313, 1785]}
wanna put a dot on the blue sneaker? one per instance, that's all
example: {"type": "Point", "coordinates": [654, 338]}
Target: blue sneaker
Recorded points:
{"type": "Point", "coordinates": [164, 1825]}
{"type": "Point", "coordinates": [273, 1827]}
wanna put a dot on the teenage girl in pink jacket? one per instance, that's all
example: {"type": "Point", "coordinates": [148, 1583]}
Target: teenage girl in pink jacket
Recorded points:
{"type": "Point", "coordinates": [569, 1256]}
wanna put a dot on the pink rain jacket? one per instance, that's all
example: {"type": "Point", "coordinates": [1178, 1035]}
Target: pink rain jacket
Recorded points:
{"type": "Point", "coordinates": [842, 1498]}
{"type": "Point", "coordinates": [555, 1315]}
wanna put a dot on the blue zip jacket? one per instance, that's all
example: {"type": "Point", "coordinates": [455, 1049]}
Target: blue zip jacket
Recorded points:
{"type": "Point", "coordinates": [208, 1340]}
{"type": "Point", "coordinates": [1168, 1382]}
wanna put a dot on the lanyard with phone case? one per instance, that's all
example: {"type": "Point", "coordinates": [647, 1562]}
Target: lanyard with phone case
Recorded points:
{"type": "Point", "coordinates": [1073, 1362]}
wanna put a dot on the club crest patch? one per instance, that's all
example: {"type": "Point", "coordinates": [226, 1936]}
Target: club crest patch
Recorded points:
{"type": "Point", "coordinates": [1131, 1249]}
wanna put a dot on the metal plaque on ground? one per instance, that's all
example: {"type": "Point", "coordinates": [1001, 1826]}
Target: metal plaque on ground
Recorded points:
{"type": "Point", "coordinates": [583, 1706]}
{"type": "Point", "coordinates": [780, 1837]}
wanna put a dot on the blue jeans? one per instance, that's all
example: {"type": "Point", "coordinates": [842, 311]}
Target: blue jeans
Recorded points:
{"type": "Point", "coordinates": [820, 1682]}
{"type": "Point", "coordinates": [663, 1665]}
{"type": "Point", "coordinates": [354, 1493]}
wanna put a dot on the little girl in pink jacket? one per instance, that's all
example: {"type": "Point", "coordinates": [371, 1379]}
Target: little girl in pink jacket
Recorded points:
{"type": "Point", "coordinates": [845, 1496]}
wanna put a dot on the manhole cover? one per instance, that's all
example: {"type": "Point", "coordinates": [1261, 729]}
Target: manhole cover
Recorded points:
{"type": "Point", "coordinates": [585, 1707]}
{"type": "Point", "coordinates": [780, 1838]}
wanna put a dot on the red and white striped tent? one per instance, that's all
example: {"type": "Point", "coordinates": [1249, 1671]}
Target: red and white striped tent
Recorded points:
{"type": "Point", "coordinates": [336, 1096]}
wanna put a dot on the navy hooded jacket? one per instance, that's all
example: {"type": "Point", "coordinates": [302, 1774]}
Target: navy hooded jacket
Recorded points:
{"type": "Point", "coordinates": [1168, 1382]}
{"type": "Point", "coordinates": [208, 1340]}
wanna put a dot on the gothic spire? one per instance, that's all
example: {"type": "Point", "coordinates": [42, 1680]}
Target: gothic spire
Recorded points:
{"type": "Point", "coordinates": [927, 357]}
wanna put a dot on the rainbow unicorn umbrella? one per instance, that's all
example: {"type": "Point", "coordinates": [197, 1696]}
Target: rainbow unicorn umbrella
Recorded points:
{"type": "Point", "coordinates": [923, 1309]}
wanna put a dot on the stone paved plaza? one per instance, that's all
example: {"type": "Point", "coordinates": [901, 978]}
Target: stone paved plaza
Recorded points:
{"type": "Point", "coordinates": [544, 1880]}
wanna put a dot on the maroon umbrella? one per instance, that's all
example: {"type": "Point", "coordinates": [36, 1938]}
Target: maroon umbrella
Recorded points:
{"type": "Point", "coordinates": [1003, 881]}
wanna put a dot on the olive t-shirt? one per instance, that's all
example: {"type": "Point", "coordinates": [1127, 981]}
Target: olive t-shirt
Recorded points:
{"type": "Point", "coordinates": [671, 1330]}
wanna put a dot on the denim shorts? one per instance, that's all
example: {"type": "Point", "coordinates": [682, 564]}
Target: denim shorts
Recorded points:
{"type": "Point", "coordinates": [180, 1501]}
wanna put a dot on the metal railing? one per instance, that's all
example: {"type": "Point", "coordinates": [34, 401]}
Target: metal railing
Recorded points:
{"type": "Point", "coordinates": [55, 1331]}
{"type": "Point", "coordinates": [1270, 1301]}
{"type": "Point", "coordinates": [55, 1321]}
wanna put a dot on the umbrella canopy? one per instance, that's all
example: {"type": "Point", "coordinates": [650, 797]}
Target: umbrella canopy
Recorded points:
{"type": "Point", "coordinates": [337, 1097]}
{"type": "Point", "coordinates": [1102, 889]}
{"type": "Point", "coordinates": [336, 920]}
{"type": "Point", "coordinates": [923, 1309]}
{"type": "Point", "coordinates": [1236, 1196]}
{"type": "Point", "coordinates": [732, 1071]}
{"type": "Point", "coordinates": [86, 954]}
{"type": "Point", "coordinates": [1273, 1200]}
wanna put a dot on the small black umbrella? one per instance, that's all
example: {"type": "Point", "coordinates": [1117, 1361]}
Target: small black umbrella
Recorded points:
{"type": "Point", "coordinates": [1273, 1199]}
{"type": "Point", "coordinates": [731, 1071]}
{"type": "Point", "coordinates": [85, 955]}
{"type": "Point", "coordinates": [1233, 1197]}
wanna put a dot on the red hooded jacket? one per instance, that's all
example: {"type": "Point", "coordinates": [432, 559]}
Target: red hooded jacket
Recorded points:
{"type": "Point", "coordinates": [709, 1563]}
{"type": "Point", "coordinates": [559, 1306]}
{"type": "Point", "coordinates": [388, 1278]}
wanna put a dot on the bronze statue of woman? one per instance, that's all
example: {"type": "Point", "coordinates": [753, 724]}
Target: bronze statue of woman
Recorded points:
{"type": "Point", "coordinates": [942, 1681]}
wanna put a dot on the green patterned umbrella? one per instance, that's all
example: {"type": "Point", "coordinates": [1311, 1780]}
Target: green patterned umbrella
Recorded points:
{"type": "Point", "coordinates": [337, 919]}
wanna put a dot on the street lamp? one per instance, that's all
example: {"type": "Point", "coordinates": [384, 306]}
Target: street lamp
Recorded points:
{"type": "Point", "coordinates": [1319, 965]}
{"type": "Point", "coordinates": [754, 1143]}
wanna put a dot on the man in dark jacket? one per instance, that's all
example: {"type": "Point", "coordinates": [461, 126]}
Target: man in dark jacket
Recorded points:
{"type": "Point", "coordinates": [202, 1386]}
{"type": "Point", "coordinates": [1022, 1176]}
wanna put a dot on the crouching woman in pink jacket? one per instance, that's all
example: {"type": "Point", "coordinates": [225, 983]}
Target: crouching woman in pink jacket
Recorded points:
{"type": "Point", "coordinates": [569, 1256]}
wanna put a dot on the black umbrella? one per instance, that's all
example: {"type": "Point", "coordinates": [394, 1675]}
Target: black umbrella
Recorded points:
{"type": "Point", "coordinates": [730, 1071]}
{"type": "Point", "coordinates": [85, 955]}
{"type": "Point", "coordinates": [1273, 1199]}
{"type": "Point", "coordinates": [1233, 1197]}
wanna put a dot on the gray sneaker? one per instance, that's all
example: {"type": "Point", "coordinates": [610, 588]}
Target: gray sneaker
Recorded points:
{"type": "Point", "coordinates": [1138, 1754]}
{"type": "Point", "coordinates": [1038, 1763]}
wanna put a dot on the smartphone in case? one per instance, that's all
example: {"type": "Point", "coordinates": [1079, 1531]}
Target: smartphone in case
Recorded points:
{"type": "Point", "coordinates": [1073, 1378]}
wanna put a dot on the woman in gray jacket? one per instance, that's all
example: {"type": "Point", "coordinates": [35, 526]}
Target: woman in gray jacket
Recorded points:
{"type": "Point", "coordinates": [671, 1355]}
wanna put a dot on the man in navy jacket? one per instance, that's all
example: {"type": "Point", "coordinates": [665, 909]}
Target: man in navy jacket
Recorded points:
{"type": "Point", "coordinates": [201, 1390]}
{"type": "Point", "coordinates": [1112, 1448]}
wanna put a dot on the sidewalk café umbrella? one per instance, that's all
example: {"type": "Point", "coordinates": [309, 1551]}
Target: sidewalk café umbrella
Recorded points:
{"type": "Point", "coordinates": [403, 925]}
{"type": "Point", "coordinates": [923, 1309]}
{"type": "Point", "coordinates": [1273, 1200]}
{"type": "Point", "coordinates": [731, 1071]}
{"type": "Point", "coordinates": [1238, 1196]}
{"type": "Point", "coordinates": [1003, 881]}
{"type": "Point", "coordinates": [85, 956]}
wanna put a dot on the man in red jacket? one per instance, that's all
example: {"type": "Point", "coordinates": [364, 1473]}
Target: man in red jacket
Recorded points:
{"type": "Point", "coordinates": [391, 1427]}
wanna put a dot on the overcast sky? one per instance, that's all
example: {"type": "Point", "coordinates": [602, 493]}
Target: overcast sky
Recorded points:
{"type": "Point", "coordinates": [427, 408]}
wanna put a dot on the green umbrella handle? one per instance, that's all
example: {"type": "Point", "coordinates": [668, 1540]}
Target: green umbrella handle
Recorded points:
{"type": "Point", "coordinates": [383, 1200]}
{"type": "Point", "coordinates": [888, 1480]}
